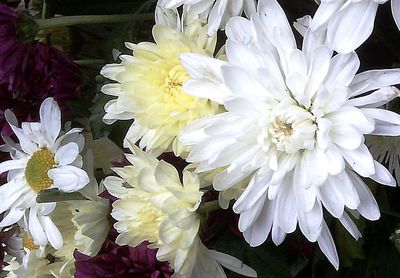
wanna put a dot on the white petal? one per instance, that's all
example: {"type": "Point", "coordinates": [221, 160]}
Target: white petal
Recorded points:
{"type": "Point", "coordinates": [396, 12]}
{"type": "Point", "coordinates": [287, 207]}
{"type": "Point", "coordinates": [350, 226]}
{"type": "Point", "coordinates": [342, 70]}
{"type": "Point", "coordinates": [67, 154]}
{"type": "Point", "coordinates": [276, 25]}
{"type": "Point", "coordinates": [324, 12]}
{"type": "Point", "coordinates": [382, 175]}
{"type": "Point", "coordinates": [360, 160]}
{"type": "Point", "coordinates": [310, 222]}
{"type": "Point", "coordinates": [346, 136]}
{"type": "Point", "coordinates": [374, 79]}
{"type": "Point", "coordinates": [50, 119]}
{"type": "Point", "coordinates": [68, 178]}
{"type": "Point", "coordinates": [12, 165]}
{"type": "Point", "coordinates": [26, 141]}
{"type": "Point", "coordinates": [232, 263]}
{"type": "Point", "coordinates": [351, 26]}
{"type": "Point", "coordinates": [53, 234]}
{"type": "Point", "coordinates": [327, 245]}
{"type": "Point", "coordinates": [332, 198]}
{"type": "Point", "coordinates": [257, 233]}
{"type": "Point", "coordinates": [12, 217]}
{"type": "Point", "coordinates": [368, 206]}
{"type": "Point", "coordinates": [35, 228]}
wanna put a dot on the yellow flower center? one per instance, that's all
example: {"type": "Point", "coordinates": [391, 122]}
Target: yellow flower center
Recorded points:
{"type": "Point", "coordinates": [149, 219]}
{"type": "Point", "coordinates": [27, 242]}
{"type": "Point", "coordinates": [36, 170]}
{"type": "Point", "coordinates": [175, 79]}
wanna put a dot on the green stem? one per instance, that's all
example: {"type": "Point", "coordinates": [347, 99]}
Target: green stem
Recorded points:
{"type": "Point", "coordinates": [208, 207]}
{"type": "Point", "coordinates": [90, 62]}
{"type": "Point", "coordinates": [62, 21]}
{"type": "Point", "coordinates": [53, 195]}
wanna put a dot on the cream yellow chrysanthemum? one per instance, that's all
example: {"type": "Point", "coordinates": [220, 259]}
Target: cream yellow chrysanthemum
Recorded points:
{"type": "Point", "coordinates": [149, 88]}
{"type": "Point", "coordinates": [84, 226]}
{"type": "Point", "coordinates": [154, 205]}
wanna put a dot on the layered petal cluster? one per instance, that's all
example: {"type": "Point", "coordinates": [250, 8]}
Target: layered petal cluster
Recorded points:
{"type": "Point", "coordinates": [350, 23]}
{"type": "Point", "coordinates": [155, 206]}
{"type": "Point", "coordinates": [44, 158]}
{"type": "Point", "coordinates": [149, 88]}
{"type": "Point", "coordinates": [294, 129]}
{"type": "Point", "coordinates": [217, 12]}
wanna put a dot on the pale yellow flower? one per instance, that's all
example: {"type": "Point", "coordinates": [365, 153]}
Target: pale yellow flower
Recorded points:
{"type": "Point", "coordinates": [149, 87]}
{"type": "Point", "coordinates": [154, 205]}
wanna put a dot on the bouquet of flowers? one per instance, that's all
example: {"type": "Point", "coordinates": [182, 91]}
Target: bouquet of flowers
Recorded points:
{"type": "Point", "coordinates": [189, 138]}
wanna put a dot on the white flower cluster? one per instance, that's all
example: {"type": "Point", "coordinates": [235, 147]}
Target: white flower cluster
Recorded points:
{"type": "Point", "coordinates": [281, 129]}
{"type": "Point", "coordinates": [284, 134]}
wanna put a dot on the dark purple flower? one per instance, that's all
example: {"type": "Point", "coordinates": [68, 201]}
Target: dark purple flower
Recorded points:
{"type": "Point", "coordinates": [12, 51]}
{"type": "Point", "coordinates": [121, 261]}
{"type": "Point", "coordinates": [30, 71]}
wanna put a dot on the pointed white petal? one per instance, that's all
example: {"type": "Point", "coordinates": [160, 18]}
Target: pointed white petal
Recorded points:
{"type": "Point", "coordinates": [52, 233]}
{"type": "Point", "coordinates": [327, 245]}
{"type": "Point", "coordinates": [50, 119]}
{"type": "Point", "coordinates": [351, 26]}
{"type": "Point", "coordinates": [368, 206]}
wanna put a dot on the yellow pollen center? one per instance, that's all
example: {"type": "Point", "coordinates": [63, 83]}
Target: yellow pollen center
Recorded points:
{"type": "Point", "coordinates": [27, 242]}
{"type": "Point", "coordinates": [175, 79]}
{"type": "Point", "coordinates": [36, 170]}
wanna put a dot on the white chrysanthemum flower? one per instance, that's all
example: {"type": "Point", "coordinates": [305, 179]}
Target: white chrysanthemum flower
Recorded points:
{"type": "Point", "coordinates": [43, 159]}
{"type": "Point", "coordinates": [149, 88]}
{"type": "Point", "coordinates": [155, 206]}
{"type": "Point", "coordinates": [294, 126]}
{"type": "Point", "coordinates": [217, 12]}
{"type": "Point", "coordinates": [349, 23]}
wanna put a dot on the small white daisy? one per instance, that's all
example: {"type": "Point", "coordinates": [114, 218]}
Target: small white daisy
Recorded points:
{"type": "Point", "coordinates": [44, 158]}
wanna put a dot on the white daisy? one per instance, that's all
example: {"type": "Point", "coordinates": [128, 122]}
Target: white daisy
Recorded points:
{"type": "Point", "coordinates": [44, 158]}
{"type": "Point", "coordinates": [155, 206]}
{"type": "Point", "coordinates": [217, 12]}
{"type": "Point", "coordinates": [294, 126]}
{"type": "Point", "coordinates": [349, 23]}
